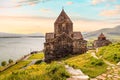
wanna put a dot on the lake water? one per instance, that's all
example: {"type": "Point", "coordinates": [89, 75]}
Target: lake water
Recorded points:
{"type": "Point", "coordinates": [15, 48]}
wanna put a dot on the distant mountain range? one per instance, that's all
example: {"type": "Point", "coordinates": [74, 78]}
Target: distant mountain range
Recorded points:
{"type": "Point", "coordinates": [11, 35]}
{"type": "Point", "coordinates": [110, 33]}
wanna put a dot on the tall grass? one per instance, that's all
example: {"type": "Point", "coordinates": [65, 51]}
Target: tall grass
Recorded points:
{"type": "Point", "coordinates": [43, 71]}
{"type": "Point", "coordinates": [110, 53]}
{"type": "Point", "coordinates": [88, 64]}
{"type": "Point", "coordinates": [1, 67]}
{"type": "Point", "coordinates": [15, 67]}
{"type": "Point", "coordinates": [36, 56]}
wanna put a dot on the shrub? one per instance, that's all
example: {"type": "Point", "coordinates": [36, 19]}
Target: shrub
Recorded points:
{"type": "Point", "coordinates": [3, 63]}
{"type": "Point", "coordinates": [10, 61]}
{"type": "Point", "coordinates": [15, 67]}
{"type": "Point", "coordinates": [38, 62]}
{"type": "Point", "coordinates": [96, 62]}
{"type": "Point", "coordinates": [57, 71]}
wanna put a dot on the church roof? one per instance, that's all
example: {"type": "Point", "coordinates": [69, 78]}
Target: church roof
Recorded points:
{"type": "Point", "coordinates": [102, 35]}
{"type": "Point", "coordinates": [77, 35]}
{"type": "Point", "coordinates": [49, 35]}
{"type": "Point", "coordinates": [63, 17]}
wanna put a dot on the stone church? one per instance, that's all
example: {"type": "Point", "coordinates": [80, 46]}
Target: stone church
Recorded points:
{"type": "Point", "coordinates": [102, 41]}
{"type": "Point", "coordinates": [63, 41]}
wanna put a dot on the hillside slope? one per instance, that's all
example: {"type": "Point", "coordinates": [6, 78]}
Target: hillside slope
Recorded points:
{"type": "Point", "coordinates": [98, 68]}
{"type": "Point", "coordinates": [111, 33]}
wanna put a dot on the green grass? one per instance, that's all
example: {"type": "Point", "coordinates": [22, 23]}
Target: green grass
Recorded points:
{"type": "Point", "coordinates": [119, 73]}
{"type": "Point", "coordinates": [110, 53]}
{"type": "Point", "coordinates": [1, 67]}
{"type": "Point", "coordinates": [54, 71]}
{"type": "Point", "coordinates": [89, 65]}
{"type": "Point", "coordinates": [39, 71]}
{"type": "Point", "coordinates": [22, 63]}
{"type": "Point", "coordinates": [15, 67]}
{"type": "Point", "coordinates": [43, 71]}
{"type": "Point", "coordinates": [36, 56]}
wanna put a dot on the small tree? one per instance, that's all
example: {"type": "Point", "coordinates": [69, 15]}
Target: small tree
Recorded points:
{"type": "Point", "coordinates": [3, 63]}
{"type": "Point", "coordinates": [10, 61]}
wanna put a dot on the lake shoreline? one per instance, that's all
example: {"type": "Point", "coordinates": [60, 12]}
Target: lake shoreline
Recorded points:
{"type": "Point", "coordinates": [25, 57]}
{"type": "Point", "coordinates": [14, 48]}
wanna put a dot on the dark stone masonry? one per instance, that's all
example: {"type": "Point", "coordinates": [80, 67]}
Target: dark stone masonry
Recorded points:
{"type": "Point", "coordinates": [102, 41]}
{"type": "Point", "coordinates": [63, 41]}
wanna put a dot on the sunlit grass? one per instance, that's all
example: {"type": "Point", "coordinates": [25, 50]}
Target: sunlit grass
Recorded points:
{"type": "Point", "coordinates": [36, 56]}
{"type": "Point", "coordinates": [43, 71]}
{"type": "Point", "coordinates": [39, 71]}
{"type": "Point", "coordinates": [110, 53]}
{"type": "Point", "coordinates": [86, 62]}
{"type": "Point", "coordinates": [1, 67]}
{"type": "Point", "coordinates": [89, 65]}
{"type": "Point", "coordinates": [15, 67]}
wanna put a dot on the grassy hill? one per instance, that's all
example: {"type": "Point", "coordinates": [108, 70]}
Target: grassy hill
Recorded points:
{"type": "Point", "coordinates": [88, 64]}
{"type": "Point", "coordinates": [43, 71]}
{"type": "Point", "coordinates": [38, 71]}
{"type": "Point", "coordinates": [56, 71]}
{"type": "Point", "coordinates": [111, 33]}
{"type": "Point", "coordinates": [53, 71]}
{"type": "Point", "coordinates": [110, 53]}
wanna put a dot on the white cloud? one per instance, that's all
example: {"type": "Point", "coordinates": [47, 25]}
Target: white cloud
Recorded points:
{"type": "Point", "coordinates": [69, 3]}
{"type": "Point", "coordinates": [26, 24]}
{"type": "Point", "coordinates": [39, 24]}
{"type": "Point", "coordinates": [18, 3]}
{"type": "Point", "coordinates": [111, 13]}
{"type": "Point", "coordinates": [117, 6]}
{"type": "Point", "coordinates": [95, 2]}
{"type": "Point", "coordinates": [45, 10]}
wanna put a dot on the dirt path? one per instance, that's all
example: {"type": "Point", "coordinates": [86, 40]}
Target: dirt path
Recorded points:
{"type": "Point", "coordinates": [108, 63]}
{"type": "Point", "coordinates": [77, 74]}
{"type": "Point", "coordinates": [94, 55]}
{"type": "Point", "coordinates": [31, 63]}
{"type": "Point", "coordinates": [112, 73]}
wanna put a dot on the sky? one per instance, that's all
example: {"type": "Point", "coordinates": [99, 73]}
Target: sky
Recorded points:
{"type": "Point", "coordinates": [38, 16]}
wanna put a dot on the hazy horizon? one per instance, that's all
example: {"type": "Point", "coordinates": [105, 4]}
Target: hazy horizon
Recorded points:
{"type": "Point", "coordinates": [38, 16]}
